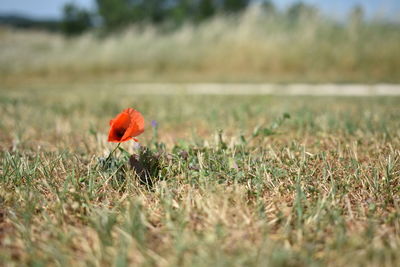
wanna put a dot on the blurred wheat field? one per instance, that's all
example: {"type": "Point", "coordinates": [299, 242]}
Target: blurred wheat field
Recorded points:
{"type": "Point", "coordinates": [249, 47]}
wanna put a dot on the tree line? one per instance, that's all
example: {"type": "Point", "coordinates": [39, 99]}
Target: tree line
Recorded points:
{"type": "Point", "coordinates": [112, 15]}
{"type": "Point", "coordinates": [116, 14]}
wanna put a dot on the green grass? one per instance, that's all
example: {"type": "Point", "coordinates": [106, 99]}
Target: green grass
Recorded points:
{"type": "Point", "coordinates": [238, 184]}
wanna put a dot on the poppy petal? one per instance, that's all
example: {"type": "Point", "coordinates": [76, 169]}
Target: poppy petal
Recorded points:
{"type": "Point", "coordinates": [118, 127]}
{"type": "Point", "coordinates": [136, 117]}
{"type": "Point", "coordinates": [136, 126]}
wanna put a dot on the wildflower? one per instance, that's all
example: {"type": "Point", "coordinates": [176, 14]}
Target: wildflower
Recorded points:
{"type": "Point", "coordinates": [136, 146]}
{"type": "Point", "coordinates": [125, 126]}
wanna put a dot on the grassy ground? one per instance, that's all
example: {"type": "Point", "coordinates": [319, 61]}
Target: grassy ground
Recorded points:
{"type": "Point", "coordinates": [239, 182]}
{"type": "Point", "coordinates": [252, 47]}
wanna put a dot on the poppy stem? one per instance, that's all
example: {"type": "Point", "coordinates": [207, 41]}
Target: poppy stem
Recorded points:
{"type": "Point", "coordinates": [112, 152]}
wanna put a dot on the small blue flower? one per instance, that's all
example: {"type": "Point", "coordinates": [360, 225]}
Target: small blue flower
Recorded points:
{"type": "Point", "coordinates": [154, 124]}
{"type": "Point", "coordinates": [136, 146]}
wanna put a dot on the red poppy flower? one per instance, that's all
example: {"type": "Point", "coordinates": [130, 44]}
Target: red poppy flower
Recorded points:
{"type": "Point", "coordinates": [125, 126]}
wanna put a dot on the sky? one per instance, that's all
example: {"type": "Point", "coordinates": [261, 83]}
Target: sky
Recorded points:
{"type": "Point", "coordinates": [40, 8]}
{"type": "Point", "coordinates": [336, 8]}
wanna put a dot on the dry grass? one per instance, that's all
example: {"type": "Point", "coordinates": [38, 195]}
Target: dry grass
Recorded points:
{"type": "Point", "coordinates": [321, 188]}
{"type": "Point", "coordinates": [252, 47]}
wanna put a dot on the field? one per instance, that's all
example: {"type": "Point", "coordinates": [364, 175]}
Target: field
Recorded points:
{"type": "Point", "coordinates": [252, 47]}
{"type": "Point", "coordinates": [218, 179]}
{"type": "Point", "coordinates": [238, 180]}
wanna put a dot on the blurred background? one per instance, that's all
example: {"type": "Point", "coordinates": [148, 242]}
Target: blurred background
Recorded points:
{"type": "Point", "coordinates": [314, 41]}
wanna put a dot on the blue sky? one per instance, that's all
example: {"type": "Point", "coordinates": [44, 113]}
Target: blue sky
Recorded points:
{"type": "Point", "coordinates": [336, 8]}
{"type": "Point", "coordinates": [39, 8]}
